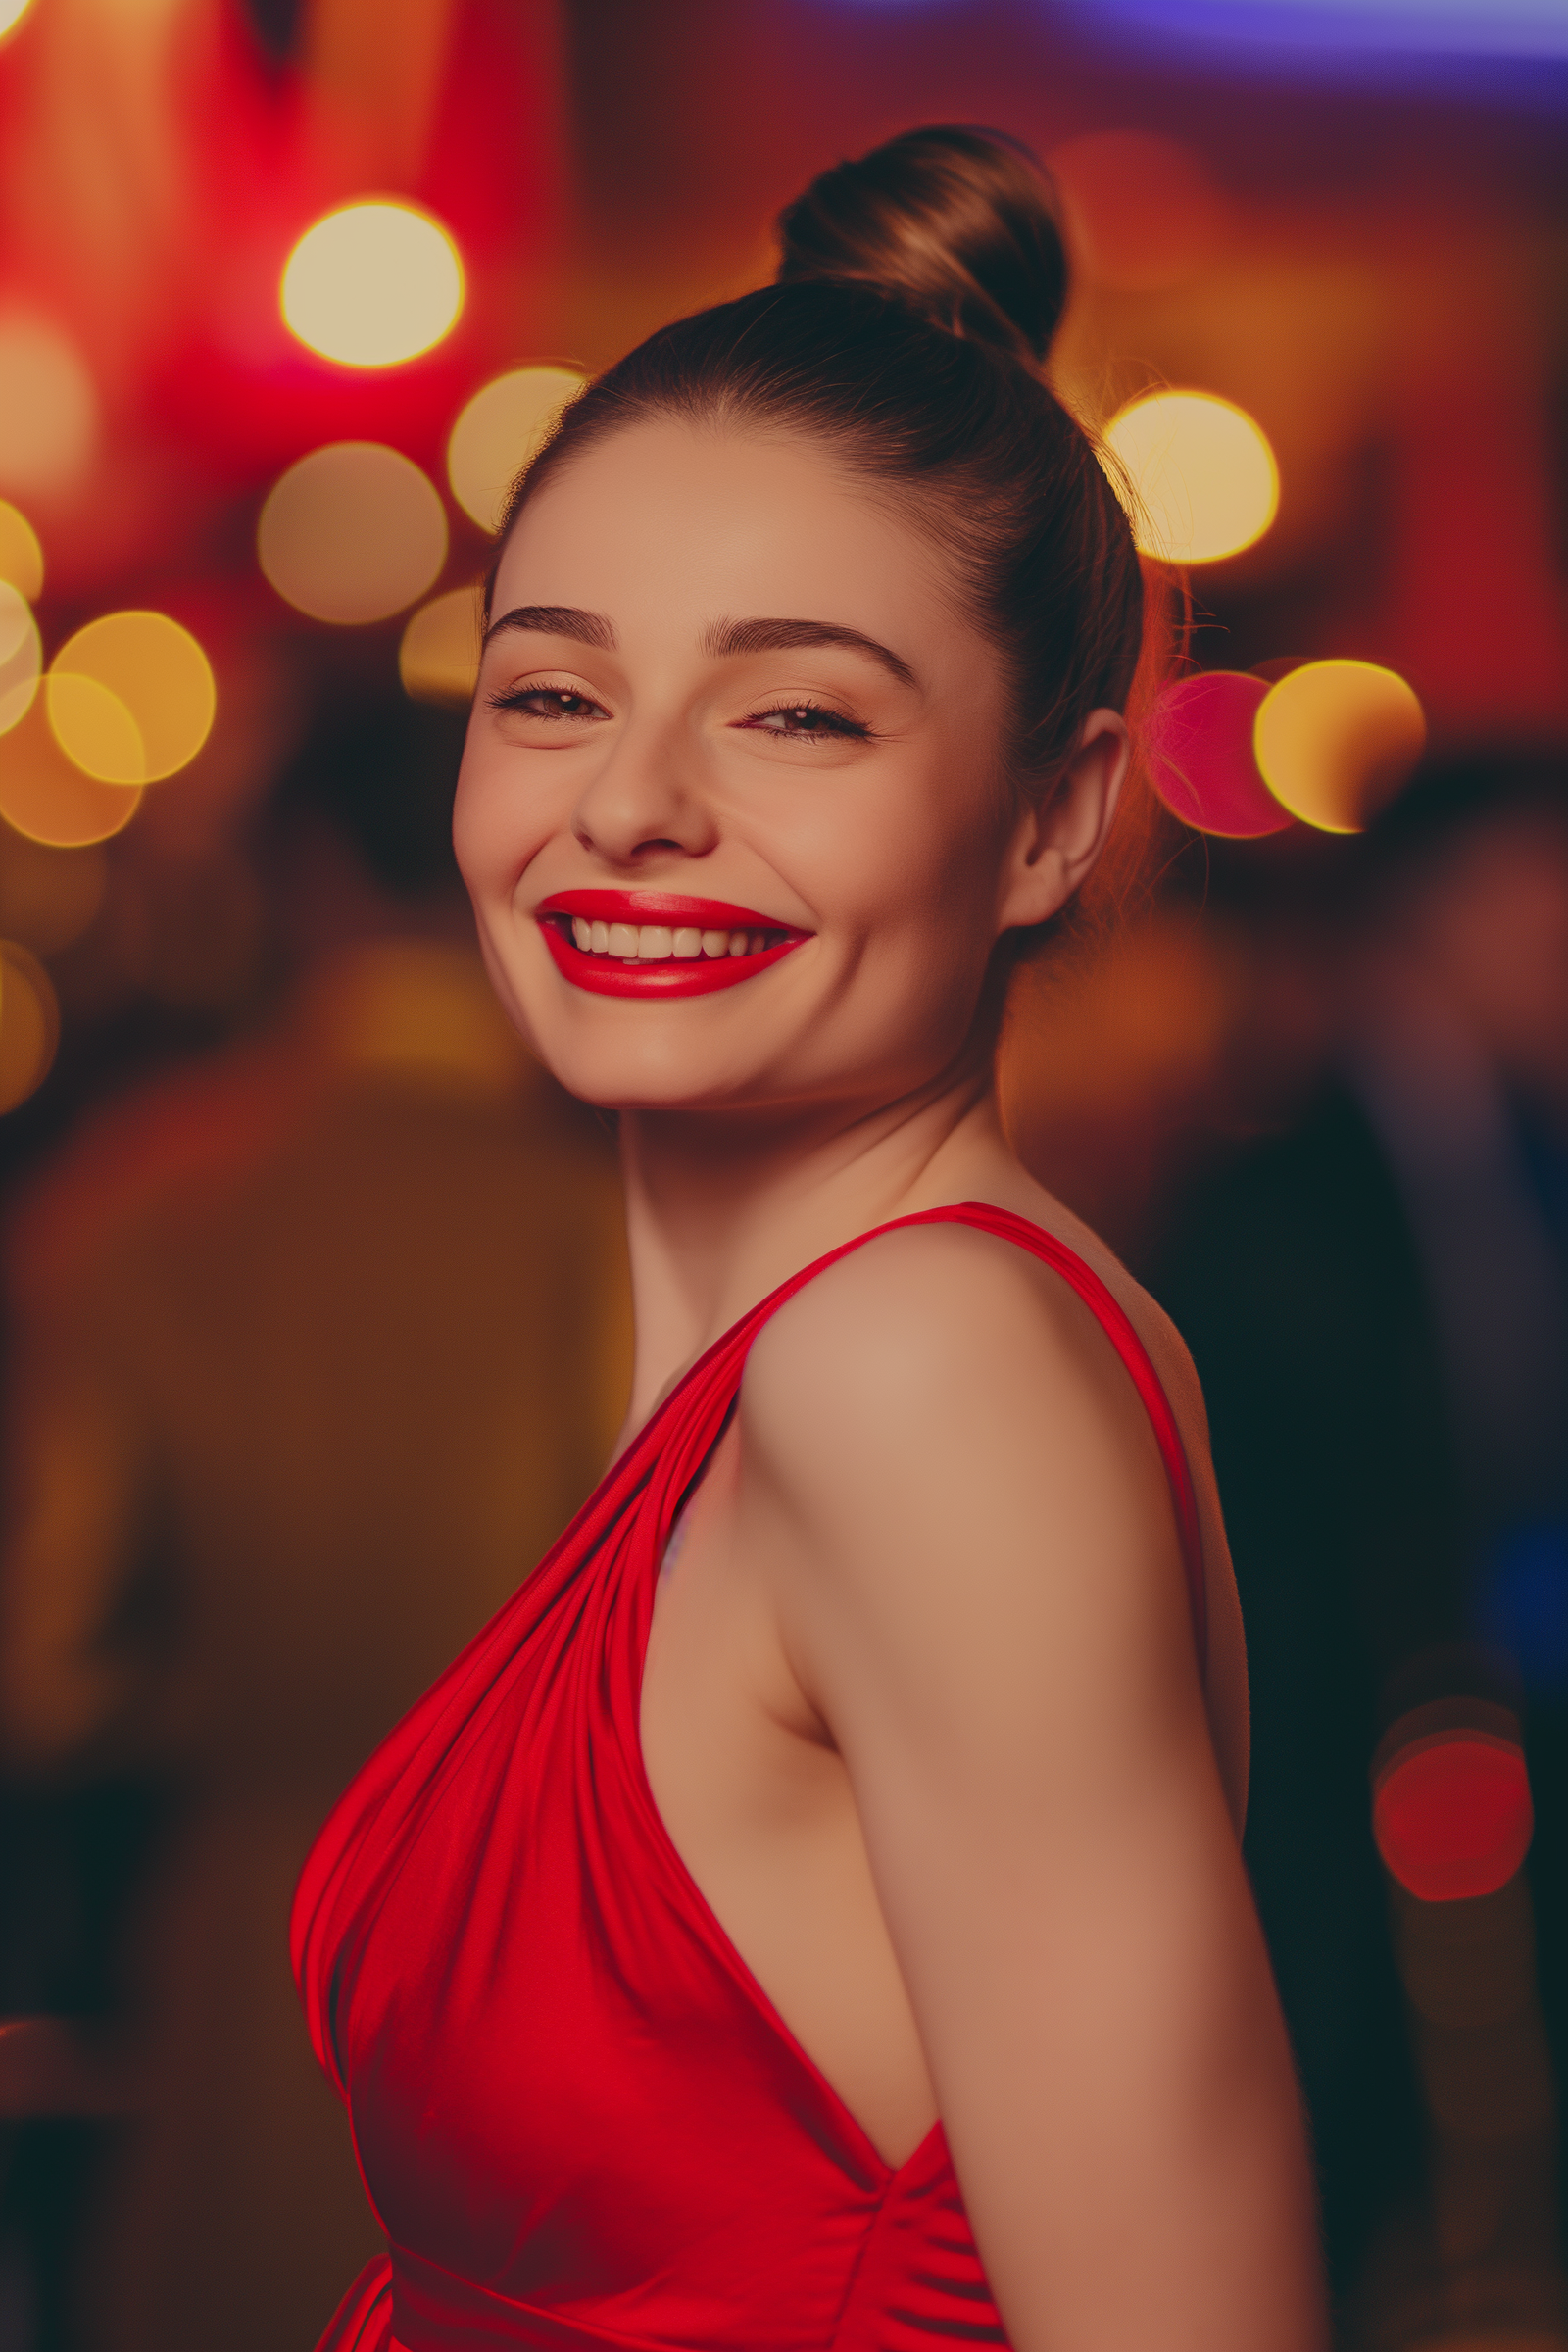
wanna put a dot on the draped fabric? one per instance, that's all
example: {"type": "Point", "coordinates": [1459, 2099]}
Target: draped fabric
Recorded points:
{"type": "Point", "coordinates": [579, 2119]}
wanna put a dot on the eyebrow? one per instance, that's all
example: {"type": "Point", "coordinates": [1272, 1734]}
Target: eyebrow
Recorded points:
{"type": "Point", "coordinates": [557, 620]}
{"type": "Point", "coordinates": [726, 637]}
{"type": "Point", "coordinates": [787, 636]}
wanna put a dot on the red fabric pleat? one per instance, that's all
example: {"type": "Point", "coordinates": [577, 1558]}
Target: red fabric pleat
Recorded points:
{"type": "Point", "coordinates": [363, 2320]}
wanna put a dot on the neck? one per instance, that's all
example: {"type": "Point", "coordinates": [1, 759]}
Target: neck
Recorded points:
{"type": "Point", "coordinates": [722, 1209]}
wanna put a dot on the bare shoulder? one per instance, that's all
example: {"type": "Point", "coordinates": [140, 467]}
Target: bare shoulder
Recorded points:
{"type": "Point", "coordinates": [941, 1387]}
{"type": "Point", "coordinates": [920, 1319]}
{"type": "Point", "coordinates": [940, 1401]}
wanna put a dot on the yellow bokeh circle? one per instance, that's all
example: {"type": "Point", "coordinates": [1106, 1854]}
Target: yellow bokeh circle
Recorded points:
{"type": "Point", "coordinates": [11, 12]}
{"type": "Point", "coordinates": [1201, 474]}
{"type": "Point", "coordinates": [131, 698]}
{"type": "Point", "coordinates": [499, 431]}
{"type": "Point", "coordinates": [46, 797]}
{"type": "Point", "coordinates": [30, 1024]}
{"type": "Point", "coordinates": [438, 659]}
{"type": "Point", "coordinates": [353, 533]}
{"type": "Point", "coordinates": [94, 729]}
{"type": "Point", "coordinates": [20, 556]}
{"type": "Point", "coordinates": [21, 657]}
{"type": "Point", "coordinates": [1335, 741]}
{"type": "Point", "coordinates": [372, 285]}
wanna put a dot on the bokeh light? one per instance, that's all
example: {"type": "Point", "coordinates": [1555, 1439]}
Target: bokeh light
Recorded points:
{"type": "Point", "coordinates": [1452, 1814]}
{"type": "Point", "coordinates": [1202, 475]}
{"type": "Point", "coordinates": [20, 556]}
{"type": "Point", "coordinates": [21, 657]}
{"type": "Point", "coordinates": [48, 897]}
{"type": "Point", "coordinates": [93, 728]}
{"type": "Point", "coordinates": [46, 797]}
{"type": "Point", "coordinates": [1336, 740]}
{"type": "Point", "coordinates": [372, 285]}
{"type": "Point", "coordinates": [353, 533]}
{"type": "Point", "coordinates": [405, 1005]}
{"type": "Point", "coordinates": [438, 659]}
{"type": "Point", "coordinates": [30, 1024]}
{"type": "Point", "coordinates": [131, 698]}
{"type": "Point", "coordinates": [1201, 756]}
{"type": "Point", "coordinates": [11, 12]}
{"type": "Point", "coordinates": [499, 431]}
{"type": "Point", "coordinates": [48, 408]}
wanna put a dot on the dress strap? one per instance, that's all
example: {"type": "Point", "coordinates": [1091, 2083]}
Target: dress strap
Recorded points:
{"type": "Point", "coordinates": [1113, 1321]}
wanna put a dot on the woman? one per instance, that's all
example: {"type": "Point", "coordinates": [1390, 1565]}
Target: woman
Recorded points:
{"type": "Point", "coordinates": [812, 1913]}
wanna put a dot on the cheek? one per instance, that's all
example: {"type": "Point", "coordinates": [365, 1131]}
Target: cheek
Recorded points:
{"type": "Point", "coordinates": [497, 828]}
{"type": "Point", "coordinates": [923, 866]}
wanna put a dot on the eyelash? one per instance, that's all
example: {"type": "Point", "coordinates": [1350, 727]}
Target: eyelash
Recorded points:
{"type": "Point", "coordinates": [831, 726]}
{"type": "Point", "coordinates": [839, 729]}
{"type": "Point", "coordinates": [518, 698]}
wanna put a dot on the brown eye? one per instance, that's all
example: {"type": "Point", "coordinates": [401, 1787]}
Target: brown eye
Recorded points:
{"type": "Point", "coordinates": [805, 720]}
{"type": "Point", "coordinates": [546, 702]}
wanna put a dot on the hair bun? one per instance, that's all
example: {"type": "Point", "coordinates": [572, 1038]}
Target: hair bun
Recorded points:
{"type": "Point", "coordinates": [957, 224]}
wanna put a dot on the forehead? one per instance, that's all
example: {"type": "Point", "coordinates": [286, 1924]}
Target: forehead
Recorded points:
{"type": "Point", "coordinates": [680, 519]}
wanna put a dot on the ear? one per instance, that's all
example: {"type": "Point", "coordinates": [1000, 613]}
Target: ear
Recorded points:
{"type": "Point", "coordinates": [1055, 843]}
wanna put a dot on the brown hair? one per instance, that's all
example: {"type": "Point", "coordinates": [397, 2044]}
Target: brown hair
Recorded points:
{"type": "Point", "coordinates": [959, 223]}
{"type": "Point", "coordinates": [918, 292]}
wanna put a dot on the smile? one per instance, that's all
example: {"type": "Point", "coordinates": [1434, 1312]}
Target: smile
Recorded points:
{"type": "Point", "coordinates": [654, 943]}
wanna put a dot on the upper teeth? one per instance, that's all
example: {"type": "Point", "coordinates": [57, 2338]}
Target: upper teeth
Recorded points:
{"type": "Point", "coordinates": [652, 943]}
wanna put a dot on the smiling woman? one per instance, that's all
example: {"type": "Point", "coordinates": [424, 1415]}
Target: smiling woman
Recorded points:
{"type": "Point", "coordinates": [812, 1912]}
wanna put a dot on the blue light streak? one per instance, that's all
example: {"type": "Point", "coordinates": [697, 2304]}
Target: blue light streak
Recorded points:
{"type": "Point", "coordinates": [1389, 28]}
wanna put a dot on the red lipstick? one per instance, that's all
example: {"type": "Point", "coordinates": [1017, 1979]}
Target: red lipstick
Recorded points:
{"type": "Point", "coordinates": [599, 941]}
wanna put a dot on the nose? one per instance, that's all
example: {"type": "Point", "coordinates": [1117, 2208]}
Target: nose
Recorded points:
{"type": "Point", "coordinates": [639, 804]}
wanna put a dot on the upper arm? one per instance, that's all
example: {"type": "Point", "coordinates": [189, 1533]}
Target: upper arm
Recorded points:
{"type": "Point", "coordinates": [965, 1520]}
{"type": "Point", "coordinates": [979, 1526]}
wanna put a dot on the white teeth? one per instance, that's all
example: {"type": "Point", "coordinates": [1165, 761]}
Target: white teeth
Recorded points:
{"type": "Point", "coordinates": [656, 943]}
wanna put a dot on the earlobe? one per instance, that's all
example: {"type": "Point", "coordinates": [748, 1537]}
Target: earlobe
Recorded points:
{"type": "Point", "coordinates": [1058, 839]}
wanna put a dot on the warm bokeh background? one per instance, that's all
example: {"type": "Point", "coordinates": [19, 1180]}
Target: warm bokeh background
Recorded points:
{"type": "Point", "coordinates": [313, 1301]}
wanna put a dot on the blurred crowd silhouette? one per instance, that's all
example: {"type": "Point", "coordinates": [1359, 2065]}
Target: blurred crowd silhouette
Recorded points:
{"type": "Point", "coordinates": [1376, 1293]}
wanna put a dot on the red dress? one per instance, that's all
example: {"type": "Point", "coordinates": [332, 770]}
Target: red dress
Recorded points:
{"type": "Point", "coordinates": [580, 2117]}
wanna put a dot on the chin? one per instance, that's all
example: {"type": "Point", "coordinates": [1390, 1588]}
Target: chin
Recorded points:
{"type": "Point", "coordinates": [645, 1074]}
{"type": "Point", "coordinates": [637, 1056]}
{"type": "Point", "coordinates": [745, 1051]}
{"type": "Point", "coordinates": [700, 1052]}
{"type": "Point", "coordinates": [751, 1085]}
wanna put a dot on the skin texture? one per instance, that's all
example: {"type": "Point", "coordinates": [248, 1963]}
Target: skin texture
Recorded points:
{"type": "Point", "coordinates": [921, 1709]}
